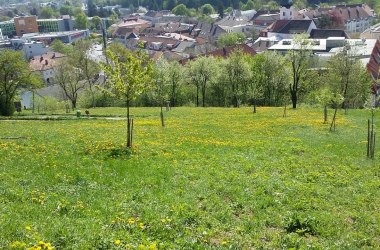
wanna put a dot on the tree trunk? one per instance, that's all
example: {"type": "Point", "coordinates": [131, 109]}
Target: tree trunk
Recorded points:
{"type": "Point", "coordinates": [254, 105]}
{"type": "Point", "coordinates": [204, 95]}
{"type": "Point", "coordinates": [162, 117]}
{"type": "Point", "coordinates": [197, 96]}
{"type": "Point", "coordinates": [325, 114]}
{"type": "Point", "coordinates": [93, 100]}
{"type": "Point", "coordinates": [129, 137]}
{"type": "Point", "coordinates": [293, 94]}
{"type": "Point", "coordinates": [73, 104]}
{"type": "Point", "coordinates": [173, 95]}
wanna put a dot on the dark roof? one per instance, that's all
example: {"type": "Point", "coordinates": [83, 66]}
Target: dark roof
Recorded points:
{"type": "Point", "coordinates": [225, 52]}
{"type": "Point", "coordinates": [263, 12]}
{"type": "Point", "coordinates": [206, 31]}
{"type": "Point", "coordinates": [290, 26]}
{"type": "Point", "coordinates": [326, 33]}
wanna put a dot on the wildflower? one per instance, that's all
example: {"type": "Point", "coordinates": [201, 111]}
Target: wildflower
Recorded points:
{"type": "Point", "coordinates": [17, 244]}
{"type": "Point", "coordinates": [131, 221]}
{"type": "Point", "coordinates": [117, 242]}
{"type": "Point", "coordinates": [225, 242]}
{"type": "Point", "coordinates": [153, 246]}
{"type": "Point", "coordinates": [141, 225]}
{"type": "Point", "coordinates": [28, 228]}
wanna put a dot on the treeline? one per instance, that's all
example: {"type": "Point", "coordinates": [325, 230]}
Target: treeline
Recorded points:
{"type": "Point", "coordinates": [266, 79]}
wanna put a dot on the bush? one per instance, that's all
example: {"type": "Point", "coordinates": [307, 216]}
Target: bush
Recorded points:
{"type": "Point", "coordinates": [6, 109]}
{"type": "Point", "coordinates": [301, 226]}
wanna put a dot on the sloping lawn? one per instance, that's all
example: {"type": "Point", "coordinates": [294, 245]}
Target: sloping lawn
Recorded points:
{"type": "Point", "coordinates": [213, 178]}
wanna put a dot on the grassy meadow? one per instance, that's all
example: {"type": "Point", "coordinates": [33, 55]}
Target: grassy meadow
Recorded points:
{"type": "Point", "coordinates": [213, 178]}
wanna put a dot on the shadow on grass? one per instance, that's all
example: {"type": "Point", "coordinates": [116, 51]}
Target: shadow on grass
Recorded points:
{"type": "Point", "coordinates": [120, 153]}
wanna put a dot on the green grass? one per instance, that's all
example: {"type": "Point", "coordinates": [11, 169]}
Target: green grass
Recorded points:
{"type": "Point", "coordinates": [213, 178]}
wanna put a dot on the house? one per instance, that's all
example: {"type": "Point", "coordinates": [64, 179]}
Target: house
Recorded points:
{"type": "Point", "coordinates": [132, 23]}
{"type": "Point", "coordinates": [285, 29]}
{"type": "Point", "coordinates": [235, 24]}
{"type": "Point", "coordinates": [371, 33]}
{"type": "Point", "coordinates": [45, 65]}
{"type": "Point", "coordinates": [206, 33]}
{"type": "Point", "coordinates": [353, 18]}
{"type": "Point", "coordinates": [154, 17]}
{"type": "Point", "coordinates": [265, 19]}
{"type": "Point", "coordinates": [263, 43]}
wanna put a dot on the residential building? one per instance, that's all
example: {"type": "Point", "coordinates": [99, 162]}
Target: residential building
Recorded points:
{"type": "Point", "coordinates": [371, 33]}
{"type": "Point", "coordinates": [32, 49]}
{"type": "Point", "coordinates": [235, 24]}
{"type": "Point", "coordinates": [45, 64]}
{"type": "Point", "coordinates": [286, 29]}
{"type": "Point", "coordinates": [206, 32]}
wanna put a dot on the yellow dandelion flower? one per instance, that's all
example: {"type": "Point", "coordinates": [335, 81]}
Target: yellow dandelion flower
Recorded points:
{"type": "Point", "coordinates": [131, 221]}
{"type": "Point", "coordinates": [28, 228]}
{"type": "Point", "coordinates": [153, 246]}
{"type": "Point", "coordinates": [141, 225]}
{"type": "Point", "coordinates": [117, 242]}
{"type": "Point", "coordinates": [225, 242]}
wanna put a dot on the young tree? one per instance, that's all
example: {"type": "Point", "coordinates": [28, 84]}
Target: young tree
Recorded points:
{"type": "Point", "coordinates": [14, 73]}
{"type": "Point", "coordinates": [299, 57]}
{"type": "Point", "coordinates": [129, 73]}
{"type": "Point", "coordinates": [348, 77]}
{"type": "Point", "coordinates": [161, 70]}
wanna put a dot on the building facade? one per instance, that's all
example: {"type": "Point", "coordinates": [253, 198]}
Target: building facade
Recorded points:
{"type": "Point", "coordinates": [8, 28]}
{"type": "Point", "coordinates": [55, 25]}
{"type": "Point", "coordinates": [25, 25]}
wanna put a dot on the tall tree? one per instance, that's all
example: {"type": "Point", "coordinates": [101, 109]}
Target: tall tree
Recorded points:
{"type": "Point", "coordinates": [238, 73]}
{"type": "Point", "coordinates": [71, 81]}
{"type": "Point", "coordinates": [14, 73]}
{"type": "Point", "coordinates": [202, 73]}
{"type": "Point", "coordinates": [181, 10]}
{"type": "Point", "coordinates": [129, 73]}
{"type": "Point", "coordinates": [174, 75]}
{"type": "Point", "coordinates": [89, 69]}
{"type": "Point", "coordinates": [299, 59]}
{"type": "Point", "coordinates": [91, 8]}
{"type": "Point", "coordinates": [81, 21]}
